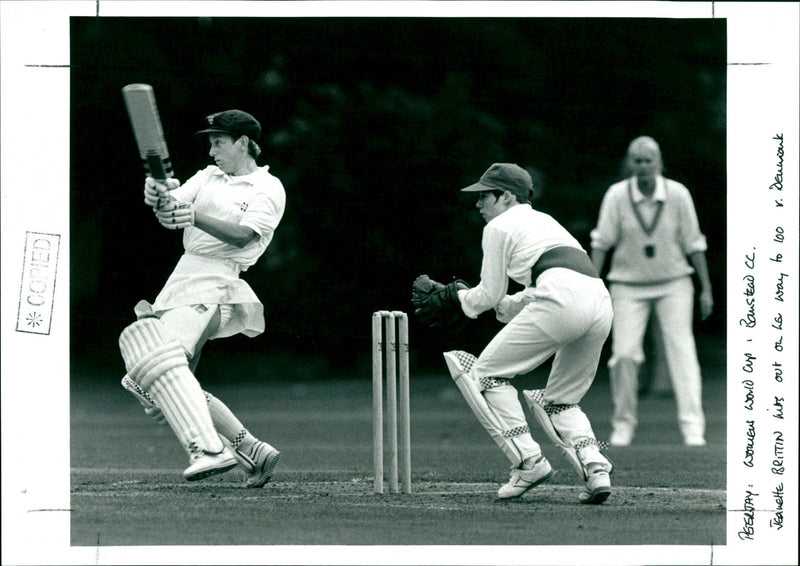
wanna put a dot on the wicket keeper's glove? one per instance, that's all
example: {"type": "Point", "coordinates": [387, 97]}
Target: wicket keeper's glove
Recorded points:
{"type": "Point", "coordinates": [437, 305]}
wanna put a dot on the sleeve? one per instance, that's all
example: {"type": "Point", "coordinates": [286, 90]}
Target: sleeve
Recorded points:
{"type": "Point", "coordinates": [187, 192]}
{"type": "Point", "coordinates": [494, 277]}
{"type": "Point", "coordinates": [265, 211]}
{"type": "Point", "coordinates": [606, 235]}
{"type": "Point", "coordinates": [692, 240]}
{"type": "Point", "coordinates": [511, 305]}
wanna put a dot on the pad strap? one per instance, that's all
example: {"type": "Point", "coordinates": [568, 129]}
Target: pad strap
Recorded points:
{"type": "Point", "coordinates": [466, 361]}
{"type": "Point", "coordinates": [516, 431]}
{"type": "Point", "coordinates": [492, 382]}
{"type": "Point", "coordinates": [549, 408]}
{"type": "Point", "coordinates": [141, 395]}
{"type": "Point", "coordinates": [591, 442]}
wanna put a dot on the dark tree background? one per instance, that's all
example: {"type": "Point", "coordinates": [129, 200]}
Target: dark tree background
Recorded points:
{"type": "Point", "coordinates": [373, 124]}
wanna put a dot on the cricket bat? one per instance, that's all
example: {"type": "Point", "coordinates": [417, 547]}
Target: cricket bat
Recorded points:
{"type": "Point", "coordinates": [140, 100]}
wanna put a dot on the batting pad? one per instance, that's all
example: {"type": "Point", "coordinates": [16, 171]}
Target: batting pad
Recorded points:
{"type": "Point", "coordinates": [581, 448]}
{"type": "Point", "coordinates": [150, 405]}
{"type": "Point", "coordinates": [134, 389]}
{"type": "Point", "coordinates": [160, 368]}
{"type": "Point", "coordinates": [459, 364]}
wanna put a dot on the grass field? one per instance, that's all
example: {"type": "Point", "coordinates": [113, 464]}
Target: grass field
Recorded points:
{"type": "Point", "coordinates": [127, 489]}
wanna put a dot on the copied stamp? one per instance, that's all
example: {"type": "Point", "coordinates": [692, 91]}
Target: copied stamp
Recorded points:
{"type": "Point", "coordinates": [38, 285]}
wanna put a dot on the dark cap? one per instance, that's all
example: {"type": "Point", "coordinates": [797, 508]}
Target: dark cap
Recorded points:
{"type": "Point", "coordinates": [505, 177]}
{"type": "Point", "coordinates": [233, 122]}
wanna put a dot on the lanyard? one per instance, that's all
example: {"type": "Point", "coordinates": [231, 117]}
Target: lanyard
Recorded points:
{"type": "Point", "coordinates": [659, 206]}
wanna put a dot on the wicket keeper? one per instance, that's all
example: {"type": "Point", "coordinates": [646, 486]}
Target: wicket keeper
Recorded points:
{"type": "Point", "coordinates": [228, 212]}
{"type": "Point", "coordinates": [564, 310]}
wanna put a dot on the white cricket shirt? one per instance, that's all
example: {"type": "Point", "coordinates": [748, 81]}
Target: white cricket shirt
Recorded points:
{"type": "Point", "coordinates": [512, 243]}
{"type": "Point", "coordinates": [256, 200]}
{"type": "Point", "coordinates": [672, 233]}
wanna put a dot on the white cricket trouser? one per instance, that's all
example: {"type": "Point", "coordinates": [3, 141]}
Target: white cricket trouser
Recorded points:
{"type": "Point", "coordinates": [673, 304]}
{"type": "Point", "coordinates": [193, 325]}
{"type": "Point", "coordinates": [569, 315]}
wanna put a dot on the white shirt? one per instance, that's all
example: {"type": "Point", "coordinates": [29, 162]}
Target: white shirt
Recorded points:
{"type": "Point", "coordinates": [648, 206]}
{"type": "Point", "coordinates": [675, 234]}
{"type": "Point", "coordinates": [256, 200]}
{"type": "Point", "coordinates": [512, 243]}
{"type": "Point", "coordinates": [208, 272]}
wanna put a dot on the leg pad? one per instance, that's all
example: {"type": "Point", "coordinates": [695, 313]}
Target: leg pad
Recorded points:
{"type": "Point", "coordinates": [158, 365]}
{"type": "Point", "coordinates": [579, 448]}
{"type": "Point", "coordinates": [459, 364]}
{"type": "Point", "coordinates": [148, 351]}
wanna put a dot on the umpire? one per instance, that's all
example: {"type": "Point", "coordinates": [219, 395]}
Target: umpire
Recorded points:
{"type": "Point", "coordinates": [650, 223]}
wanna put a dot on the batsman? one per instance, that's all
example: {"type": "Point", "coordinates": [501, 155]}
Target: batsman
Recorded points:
{"type": "Point", "coordinates": [563, 310]}
{"type": "Point", "coordinates": [228, 213]}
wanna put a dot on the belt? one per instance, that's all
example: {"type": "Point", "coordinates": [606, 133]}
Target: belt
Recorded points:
{"type": "Point", "coordinates": [566, 257]}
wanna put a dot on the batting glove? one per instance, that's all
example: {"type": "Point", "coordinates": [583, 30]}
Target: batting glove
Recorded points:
{"type": "Point", "coordinates": [176, 215]}
{"type": "Point", "coordinates": [156, 193]}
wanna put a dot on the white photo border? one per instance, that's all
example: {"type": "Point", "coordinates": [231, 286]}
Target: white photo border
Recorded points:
{"type": "Point", "coordinates": [762, 103]}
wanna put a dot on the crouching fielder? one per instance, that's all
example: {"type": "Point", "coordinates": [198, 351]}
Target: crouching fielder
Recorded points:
{"type": "Point", "coordinates": [228, 213]}
{"type": "Point", "coordinates": [564, 310]}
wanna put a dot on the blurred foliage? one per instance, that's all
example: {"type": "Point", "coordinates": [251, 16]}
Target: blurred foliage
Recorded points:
{"type": "Point", "coordinates": [373, 124]}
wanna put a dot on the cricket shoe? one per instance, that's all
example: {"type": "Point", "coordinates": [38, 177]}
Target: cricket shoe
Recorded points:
{"type": "Point", "coordinates": [203, 464]}
{"type": "Point", "coordinates": [597, 487]}
{"type": "Point", "coordinates": [621, 437]}
{"type": "Point", "coordinates": [523, 480]}
{"type": "Point", "coordinates": [258, 464]}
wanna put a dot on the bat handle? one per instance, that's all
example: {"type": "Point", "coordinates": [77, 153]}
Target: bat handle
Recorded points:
{"type": "Point", "coordinates": [157, 171]}
{"type": "Point", "coordinates": [156, 167]}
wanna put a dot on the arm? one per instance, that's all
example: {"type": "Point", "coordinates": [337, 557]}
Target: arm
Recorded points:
{"type": "Point", "coordinates": [695, 243]}
{"type": "Point", "coordinates": [494, 278]}
{"type": "Point", "coordinates": [177, 215]}
{"type": "Point", "coordinates": [510, 306]}
{"type": "Point", "coordinates": [228, 232]}
{"type": "Point", "coordinates": [177, 211]}
{"type": "Point", "coordinates": [606, 233]}
{"type": "Point", "coordinates": [598, 259]}
{"type": "Point", "coordinates": [700, 265]}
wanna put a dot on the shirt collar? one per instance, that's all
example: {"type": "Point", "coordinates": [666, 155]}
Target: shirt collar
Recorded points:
{"type": "Point", "coordinates": [250, 178]}
{"type": "Point", "coordinates": [512, 210]}
{"type": "Point", "coordinates": [660, 194]}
